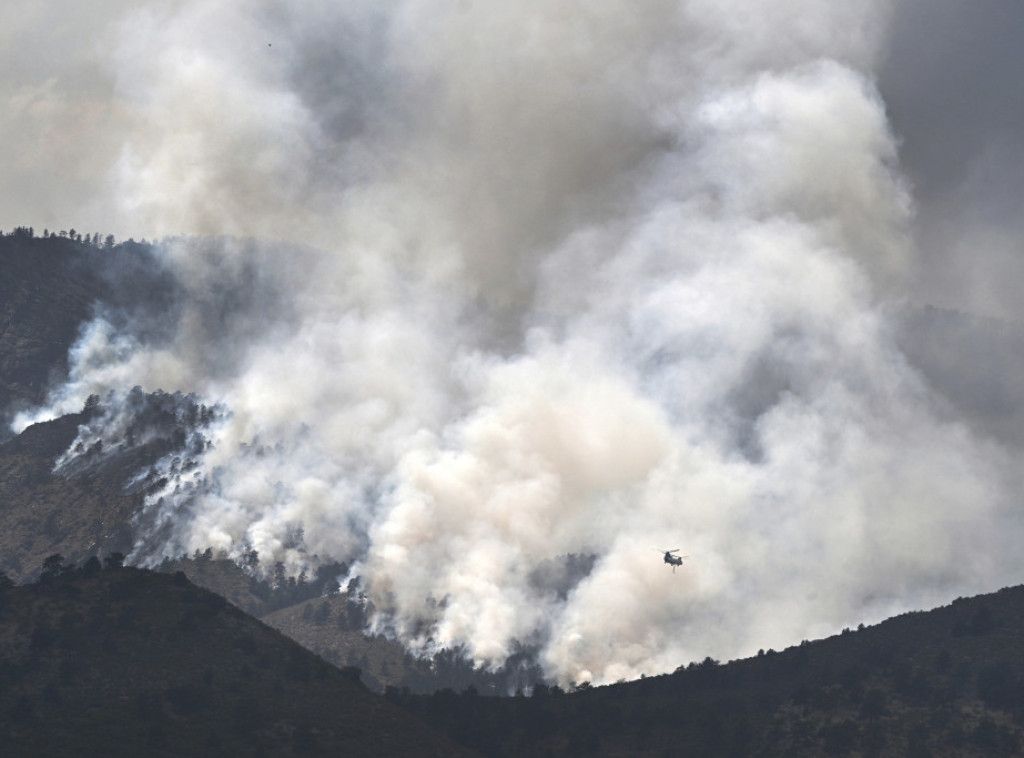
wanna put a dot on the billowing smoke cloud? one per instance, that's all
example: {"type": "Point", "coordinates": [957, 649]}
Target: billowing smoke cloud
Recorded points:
{"type": "Point", "coordinates": [561, 280]}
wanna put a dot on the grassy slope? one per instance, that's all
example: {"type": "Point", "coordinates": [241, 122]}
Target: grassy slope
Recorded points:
{"type": "Point", "coordinates": [382, 661]}
{"type": "Point", "coordinates": [42, 513]}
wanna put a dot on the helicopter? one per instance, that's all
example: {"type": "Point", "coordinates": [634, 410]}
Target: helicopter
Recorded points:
{"type": "Point", "coordinates": [672, 560]}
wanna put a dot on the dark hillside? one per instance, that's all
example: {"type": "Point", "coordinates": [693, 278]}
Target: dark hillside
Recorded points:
{"type": "Point", "coordinates": [51, 286]}
{"type": "Point", "coordinates": [949, 682]}
{"type": "Point", "coordinates": [44, 297]}
{"type": "Point", "coordinates": [129, 662]}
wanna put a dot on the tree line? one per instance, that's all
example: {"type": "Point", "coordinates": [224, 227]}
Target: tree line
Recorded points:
{"type": "Point", "coordinates": [94, 239]}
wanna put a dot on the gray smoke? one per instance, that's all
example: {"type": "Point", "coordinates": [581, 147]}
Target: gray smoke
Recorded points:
{"type": "Point", "coordinates": [560, 280]}
{"type": "Point", "coordinates": [950, 79]}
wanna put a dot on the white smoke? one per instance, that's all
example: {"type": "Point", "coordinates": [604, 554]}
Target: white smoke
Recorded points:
{"type": "Point", "coordinates": [576, 279]}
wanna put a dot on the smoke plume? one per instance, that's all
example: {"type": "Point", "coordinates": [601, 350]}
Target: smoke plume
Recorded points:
{"type": "Point", "coordinates": [494, 299]}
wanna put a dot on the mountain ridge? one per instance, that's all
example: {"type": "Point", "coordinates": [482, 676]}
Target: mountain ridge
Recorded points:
{"type": "Point", "coordinates": [944, 682]}
{"type": "Point", "coordinates": [125, 661]}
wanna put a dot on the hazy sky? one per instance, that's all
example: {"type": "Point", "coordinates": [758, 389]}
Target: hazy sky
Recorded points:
{"type": "Point", "coordinates": [510, 283]}
{"type": "Point", "coordinates": [950, 84]}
